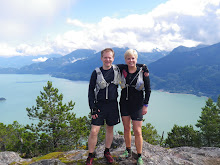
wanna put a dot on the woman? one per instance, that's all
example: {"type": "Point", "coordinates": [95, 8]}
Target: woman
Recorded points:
{"type": "Point", "coordinates": [134, 99]}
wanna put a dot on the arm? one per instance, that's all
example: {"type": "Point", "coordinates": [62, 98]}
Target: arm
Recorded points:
{"type": "Point", "coordinates": [147, 94]}
{"type": "Point", "coordinates": [144, 67]}
{"type": "Point", "coordinates": [147, 88]}
{"type": "Point", "coordinates": [140, 65]}
{"type": "Point", "coordinates": [91, 93]}
{"type": "Point", "coordinates": [121, 66]}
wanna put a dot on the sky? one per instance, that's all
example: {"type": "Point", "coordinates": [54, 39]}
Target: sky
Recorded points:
{"type": "Point", "coordinates": [41, 27]}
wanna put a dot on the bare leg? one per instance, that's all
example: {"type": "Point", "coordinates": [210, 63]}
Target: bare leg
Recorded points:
{"type": "Point", "coordinates": [108, 136]}
{"type": "Point", "coordinates": [93, 138]}
{"type": "Point", "coordinates": [127, 130]}
{"type": "Point", "coordinates": [138, 135]}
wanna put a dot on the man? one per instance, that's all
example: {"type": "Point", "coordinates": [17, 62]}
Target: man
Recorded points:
{"type": "Point", "coordinates": [103, 103]}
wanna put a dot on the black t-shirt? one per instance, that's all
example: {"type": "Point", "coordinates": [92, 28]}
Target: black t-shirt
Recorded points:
{"type": "Point", "coordinates": [133, 94]}
{"type": "Point", "coordinates": [101, 96]}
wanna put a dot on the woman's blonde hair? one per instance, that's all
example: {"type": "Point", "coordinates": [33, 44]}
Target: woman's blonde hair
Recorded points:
{"type": "Point", "coordinates": [131, 52]}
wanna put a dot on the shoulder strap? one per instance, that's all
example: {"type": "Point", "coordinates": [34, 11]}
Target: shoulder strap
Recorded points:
{"type": "Point", "coordinates": [97, 70]}
{"type": "Point", "coordinates": [136, 75]}
{"type": "Point", "coordinates": [117, 76]}
{"type": "Point", "coordinates": [99, 74]}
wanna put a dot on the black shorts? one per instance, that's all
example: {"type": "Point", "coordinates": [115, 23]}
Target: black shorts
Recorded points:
{"type": "Point", "coordinates": [131, 109]}
{"type": "Point", "coordinates": [109, 113]}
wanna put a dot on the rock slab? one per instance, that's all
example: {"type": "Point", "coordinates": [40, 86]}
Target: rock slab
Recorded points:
{"type": "Point", "coordinates": [152, 155]}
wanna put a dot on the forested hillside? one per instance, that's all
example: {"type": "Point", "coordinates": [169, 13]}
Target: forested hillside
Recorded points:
{"type": "Point", "coordinates": [196, 72]}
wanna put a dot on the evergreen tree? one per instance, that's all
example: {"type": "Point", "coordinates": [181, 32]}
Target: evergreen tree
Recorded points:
{"type": "Point", "coordinates": [183, 136]}
{"type": "Point", "coordinates": [14, 137]}
{"type": "Point", "coordinates": [150, 134]}
{"type": "Point", "coordinates": [5, 132]}
{"type": "Point", "coordinates": [209, 123]}
{"type": "Point", "coordinates": [57, 126]}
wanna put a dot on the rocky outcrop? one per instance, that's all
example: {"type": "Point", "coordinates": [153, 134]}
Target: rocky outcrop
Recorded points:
{"type": "Point", "coordinates": [156, 155]}
{"type": "Point", "coordinates": [7, 158]}
{"type": "Point", "coordinates": [152, 155]}
{"type": "Point", "coordinates": [49, 162]}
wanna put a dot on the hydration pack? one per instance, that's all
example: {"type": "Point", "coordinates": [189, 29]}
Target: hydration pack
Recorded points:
{"type": "Point", "coordinates": [139, 84]}
{"type": "Point", "coordinates": [102, 84]}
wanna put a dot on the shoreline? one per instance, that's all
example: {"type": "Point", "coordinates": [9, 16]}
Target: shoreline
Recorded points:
{"type": "Point", "coordinates": [182, 93]}
{"type": "Point", "coordinates": [87, 81]}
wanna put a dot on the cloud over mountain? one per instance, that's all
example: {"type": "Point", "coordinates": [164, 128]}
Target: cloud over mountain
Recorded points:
{"type": "Point", "coordinates": [40, 59]}
{"type": "Point", "coordinates": [173, 23]}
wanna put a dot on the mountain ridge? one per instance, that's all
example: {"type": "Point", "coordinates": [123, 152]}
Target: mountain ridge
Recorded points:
{"type": "Point", "coordinates": [20, 61]}
{"type": "Point", "coordinates": [193, 70]}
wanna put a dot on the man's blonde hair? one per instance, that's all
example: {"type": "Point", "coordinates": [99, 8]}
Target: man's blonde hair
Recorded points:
{"type": "Point", "coordinates": [131, 52]}
{"type": "Point", "coordinates": [108, 50]}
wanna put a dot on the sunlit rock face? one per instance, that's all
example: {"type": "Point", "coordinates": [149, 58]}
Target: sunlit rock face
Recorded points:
{"type": "Point", "coordinates": [152, 155]}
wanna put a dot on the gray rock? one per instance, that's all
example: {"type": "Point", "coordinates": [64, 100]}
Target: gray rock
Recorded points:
{"type": "Point", "coordinates": [152, 155]}
{"type": "Point", "coordinates": [156, 155]}
{"type": "Point", "coordinates": [77, 154]}
{"type": "Point", "coordinates": [10, 157]}
{"type": "Point", "coordinates": [48, 162]}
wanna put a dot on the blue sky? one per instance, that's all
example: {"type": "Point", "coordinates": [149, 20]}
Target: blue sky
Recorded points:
{"type": "Point", "coordinates": [39, 27]}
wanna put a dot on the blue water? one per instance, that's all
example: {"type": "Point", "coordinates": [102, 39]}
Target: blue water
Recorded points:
{"type": "Point", "coordinates": [21, 90]}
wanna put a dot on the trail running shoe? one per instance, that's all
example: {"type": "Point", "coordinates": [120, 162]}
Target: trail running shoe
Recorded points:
{"type": "Point", "coordinates": [126, 154]}
{"type": "Point", "coordinates": [89, 160]}
{"type": "Point", "coordinates": [108, 157]}
{"type": "Point", "coordinates": [140, 161]}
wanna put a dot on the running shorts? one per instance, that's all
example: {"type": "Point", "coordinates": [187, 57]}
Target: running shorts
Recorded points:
{"type": "Point", "coordinates": [131, 109]}
{"type": "Point", "coordinates": [109, 113]}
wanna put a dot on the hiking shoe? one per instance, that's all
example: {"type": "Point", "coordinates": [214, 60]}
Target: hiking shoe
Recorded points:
{"type": "Point", "coordinates": [126, 154]}
{"type": "Point", "coordinates": [140, 161]}
{"type": "Point", "coordinates": [89, 160]}
{"type": "Point", "coordinates": [108, 157]}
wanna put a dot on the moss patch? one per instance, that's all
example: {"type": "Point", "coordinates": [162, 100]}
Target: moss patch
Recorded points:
{"type": "Point", "coordinates": [53, 155]}
{"type": "Point", "coordinates": [64, 159]}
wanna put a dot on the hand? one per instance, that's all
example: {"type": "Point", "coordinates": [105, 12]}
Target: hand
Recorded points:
{"type": "Point", "coordinates": [146, 74]}
{"type": "Point", "coordinates": [144, 110]}
{"type": "Point", "coordinates": [145, 70]}
{"type": "Point", "coordinates": [94, 113]}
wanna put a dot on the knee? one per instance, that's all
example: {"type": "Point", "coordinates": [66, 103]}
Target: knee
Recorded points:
{"type": "Point", "coordinates": [127, 128]}
{"type": "Point", "coordinates": [138, 133]}
{"type": "Point", "coordinates": [94, 132]}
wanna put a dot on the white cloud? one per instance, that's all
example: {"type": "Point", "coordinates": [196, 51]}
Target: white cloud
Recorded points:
{"type": "Point", "coordinates": [34, 50]}
{"type": "Point", "coordinates": [174, 23]}
{"type": "Point", "coordinates": [180, 7]}
{"type": "Point", "coordinates": [169, 25]}
{"type": "Point", "coordinates": [24, 19]}
{"type": "Point", "coordinates": [218, 13]}
{"type": "Point", "coordinates": [40, 59]}
{"type": "Point", "coordinates": [78, 23]}
{"type": "Point", "coordinates": [7, 51]}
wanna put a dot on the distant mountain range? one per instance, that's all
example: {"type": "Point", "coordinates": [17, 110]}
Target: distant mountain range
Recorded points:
{"type": "Point", "coordinates": [20, 61]}
{"type": "Point", "coordinates": [79, 64]}
{"type": "Point", "coordinates": [193, 70]}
